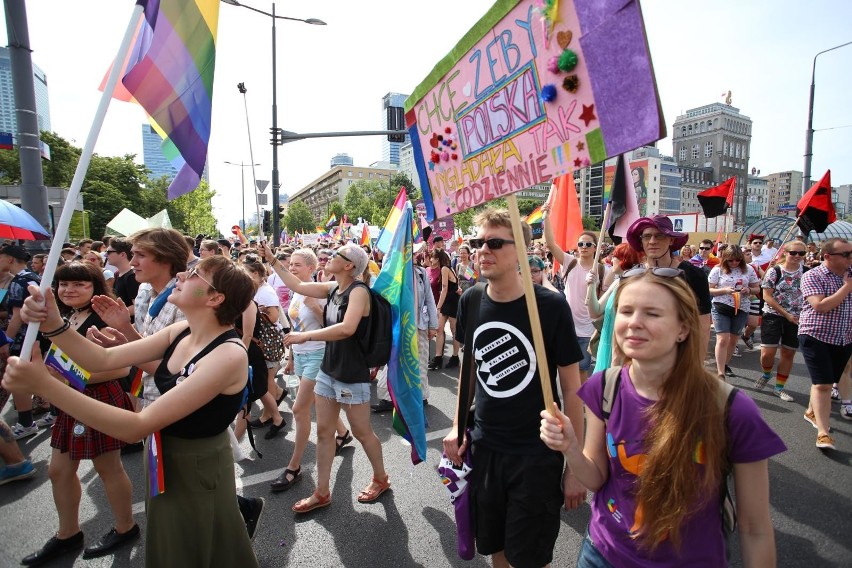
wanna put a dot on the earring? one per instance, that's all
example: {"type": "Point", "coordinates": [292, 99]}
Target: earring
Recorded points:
{"type": "Point", "coordinates": [680, 339]}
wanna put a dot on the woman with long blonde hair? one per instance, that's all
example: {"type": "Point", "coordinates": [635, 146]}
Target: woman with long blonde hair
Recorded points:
{"type": "Point", "coordinates": [656, 462]}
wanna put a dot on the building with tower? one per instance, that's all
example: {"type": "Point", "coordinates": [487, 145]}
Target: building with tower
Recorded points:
{"type": "Point", "coordinates": [8, 118]}
{"type": "Point", "coordinates": [716, 137]}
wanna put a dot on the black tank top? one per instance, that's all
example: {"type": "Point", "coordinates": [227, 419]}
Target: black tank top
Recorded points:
{"type": "Point", "coordinates": [218, 413]}
{"type": "Point", "coordinates": [343, 359]}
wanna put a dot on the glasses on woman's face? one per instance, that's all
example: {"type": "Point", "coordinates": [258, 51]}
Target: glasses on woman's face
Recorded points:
{"type": "Point", "coordinates": [192, 272]}
{"type": "Point", "coordinates": [796, 252]}
{"type": "Point", "coordinates": [341, 255]}
{"type": "Point", "coordinates": [322, 259]}
{"type": "Point", "coordinates": [585, 244]}
{"type": "Point", "coordinates": [663, 271]}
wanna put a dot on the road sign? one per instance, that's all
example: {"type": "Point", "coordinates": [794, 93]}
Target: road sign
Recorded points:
{"type": "Point", "coordinates": [787, 207]}
{"type": "Point", "coordinates": [261, 199]}
{"type": "Point", "coordinates": [261, 185]}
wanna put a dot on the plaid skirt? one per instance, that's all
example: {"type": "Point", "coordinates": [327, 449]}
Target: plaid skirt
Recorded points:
{"type": "Point", "coordinates": [90, 443]}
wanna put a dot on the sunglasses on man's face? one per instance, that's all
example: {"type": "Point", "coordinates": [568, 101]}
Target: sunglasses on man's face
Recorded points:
{"type": "Point", "coordinates": [493, 243]}
{"type": "Point", "coordinates": [705, 248]}
{"type": "Point", "coordinates": [843, 254]}
{"type": "Point", "coordinates": [584, 244]}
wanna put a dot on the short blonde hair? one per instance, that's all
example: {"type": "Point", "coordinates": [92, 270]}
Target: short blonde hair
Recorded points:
{"type": "Point", "coordinates": [500, 218]}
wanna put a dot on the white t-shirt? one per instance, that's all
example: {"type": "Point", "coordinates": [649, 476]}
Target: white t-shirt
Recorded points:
{"type": "Point", "coordinates": [737, 279]}
{"type": "Point", "coordinates": [304, 319]}
{"type": "Point", "coordinates": [266, 297]}
{"type": "Point", "coordinates": [575, 292]}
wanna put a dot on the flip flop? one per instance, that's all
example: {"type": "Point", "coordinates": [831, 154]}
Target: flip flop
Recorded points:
{"type": "Point", "coordinates": [341, 441]}
{"type": "Point", "coordinates": [304, 506]}
{"type": "Point", "coordinates": [368, 494]}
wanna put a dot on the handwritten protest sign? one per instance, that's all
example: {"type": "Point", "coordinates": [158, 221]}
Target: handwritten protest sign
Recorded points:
{"type": "Point", "coordinates": [534, 90]}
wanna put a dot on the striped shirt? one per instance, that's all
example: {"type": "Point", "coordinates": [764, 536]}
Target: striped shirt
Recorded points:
{"type": "Point", "coordinates": [147, 325]}
{"type": "Point", "coordinates": [833, 327]}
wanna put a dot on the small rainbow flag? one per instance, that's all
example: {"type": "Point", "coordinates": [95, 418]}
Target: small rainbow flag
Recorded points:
{"type": "Point", "coordinates": [470, 273]}
{"type": "Point", "coordinates": [331, 220]}
{"type": "Point", "coordinates": [73, 374]}
{"type": "Point", "coordinates": [136, 384]}
{"type": "Point", "coordinates": [534, 217]}
{"type": "Point", "coordinates": [365, 235]}
{"type": "Point", "coordinates": [385, 239]}
{"type": "Point", "coordinates": [156, 475]}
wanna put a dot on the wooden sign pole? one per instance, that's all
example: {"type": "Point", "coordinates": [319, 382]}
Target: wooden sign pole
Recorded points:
{"type": "Point", "coordinates": [532, 307]}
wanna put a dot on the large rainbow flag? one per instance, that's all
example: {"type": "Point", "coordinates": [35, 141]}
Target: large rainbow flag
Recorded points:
{"type": "Point", "coordinates": [396, 284]}
{"type": "Point", "coordinates": [169, 72]}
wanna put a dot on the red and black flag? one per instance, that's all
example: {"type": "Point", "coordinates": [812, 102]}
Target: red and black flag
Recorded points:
{"type": "Point", "coordinates": [625, 208]}
{"type": "Point", "coordinates": [716, 200]}
{"type": "Point", "coordinates": [815, 211]}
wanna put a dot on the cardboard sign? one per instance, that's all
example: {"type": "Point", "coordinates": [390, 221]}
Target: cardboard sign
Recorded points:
{"type": "Point", "coordinates": [533, 91]}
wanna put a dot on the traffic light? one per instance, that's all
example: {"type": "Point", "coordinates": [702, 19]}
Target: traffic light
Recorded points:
{"type": "Point", "coordinates": [267, 220]}
{"type": "Point", "coordinates": [396, 121]}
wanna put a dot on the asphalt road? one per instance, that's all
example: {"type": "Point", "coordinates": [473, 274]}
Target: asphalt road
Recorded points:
{"type": "Point", "coordinates": [413, 524]}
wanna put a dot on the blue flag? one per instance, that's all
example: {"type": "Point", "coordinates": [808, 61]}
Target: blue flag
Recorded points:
{"type": "Point", "coordinates": [396, 284]}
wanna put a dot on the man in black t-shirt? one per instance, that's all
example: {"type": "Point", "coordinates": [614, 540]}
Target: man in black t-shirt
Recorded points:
{"type": "Point", "coordinates": [656, 238]}
{"type": "Point", "coordinates": [510, 463]}
{"type": "Point", "coordinates": [119, 253]}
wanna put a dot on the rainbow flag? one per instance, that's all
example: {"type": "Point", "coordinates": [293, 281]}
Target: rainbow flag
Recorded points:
{"type": "Point", "coordinates": [331, 220]}
{"type": "Point", "coordinates": [156, 474]}
{"type": "Point", "coordinates": [535, 216]}
{"type": "Point", "coordinates": [169, 72]}
{"type": "Point", "coordinates": [74, 375]}
{"type": "Point", "coordinates": [386, 236]}
{"type": "Point", "coordinates": [396, 284]}
{"type": "Point", "coordinates": [365, 235]}
{"type": "Point", "coordinates": [136, 383]}
{"type": "Point", "coordinates": [470, 273]}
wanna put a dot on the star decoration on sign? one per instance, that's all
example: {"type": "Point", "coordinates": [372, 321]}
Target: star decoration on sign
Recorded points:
{"type": "Point", "coordinates": [577, 162]}
{"type": "Point", "coordinates": [588, 114]}
{"type": "Point", "coordinates": [580, 146]}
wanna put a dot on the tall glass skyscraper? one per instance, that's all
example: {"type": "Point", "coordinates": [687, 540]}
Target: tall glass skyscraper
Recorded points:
{"type": "Point", "coordinates": [390, 150]}
{"type": "Point", "coordinates": [8, 120]}
{"type": "Point", "coordinates": [152, 154]}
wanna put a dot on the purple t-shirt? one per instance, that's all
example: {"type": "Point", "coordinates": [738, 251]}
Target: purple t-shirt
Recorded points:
{"type": "Point", "coordinates": [614, 504]}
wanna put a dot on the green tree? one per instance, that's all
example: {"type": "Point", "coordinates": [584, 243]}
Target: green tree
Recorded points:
{"type": "Point", "coordinates": [337, 209]}
{"type": "Point", "coordinates": [357, 202]}
{"type": "Point", "coordinates": [590, 223]}
{"type": "Point", "coordinates": [463, 221]}
{"type": "Point", "coordinates": [121, 173]}
{"type": "Point", "coordinates": [103, 201]}
{"type": "Point", "coordinates": [10, 167]}
{"type": "Point", "coordinates": [299, 218]}
{"type": "Point", "coordinates": [64, 157]}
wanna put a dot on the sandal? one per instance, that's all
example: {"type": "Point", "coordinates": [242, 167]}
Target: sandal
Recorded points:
{"type": "Point", "coordinates": [281, 483]}
{"type": "Point", "coordinates": [305, 506]}
{"type": "Point", "coordinates": [341, 441]}
{"type": "Point", "coordinates": [370, 494]}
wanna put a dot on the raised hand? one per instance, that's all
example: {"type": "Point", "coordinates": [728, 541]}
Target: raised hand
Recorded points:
{"type": "Point", "coordinates": [112, 312]}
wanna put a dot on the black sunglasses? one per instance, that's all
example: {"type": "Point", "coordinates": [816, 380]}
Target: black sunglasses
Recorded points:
{"type": "Point", "coordinates": [663, 271]}
{"type": "Point", "coordinates": [843, 254]}
{"type": "Point", "coordinates": [343, 256]}
{"type": "Point", "coordinates": [796, 252]}
{"type": "Point", "coordinates": [705, 248]}
{"type": "Point", "coordinates": [493, 244]}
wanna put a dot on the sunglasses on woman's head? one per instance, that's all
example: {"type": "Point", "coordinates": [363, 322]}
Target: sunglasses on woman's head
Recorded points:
{"type": "Point", "coordinates": [663, 271]}
{"type": "Point", "coordinates": [493, 243]}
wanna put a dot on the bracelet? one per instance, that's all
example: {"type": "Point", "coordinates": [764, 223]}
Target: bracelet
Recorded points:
{"type": "Point", "coordinates": [66, 325]}
{"type": "Point", "coordinates": [274, 263]}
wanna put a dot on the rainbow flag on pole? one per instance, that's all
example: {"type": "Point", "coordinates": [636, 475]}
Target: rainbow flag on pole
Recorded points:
{"type": "Point", "coordinates": [534, 217]}
{"type": "Point", "coordinates": [331, 220]}
{"type": "Point", "coordinates": [383, 243]}
{"type": "Point", "coordinates": [396, 284]}
{"type": "Point", "coordinates": [74, 375]}
{"type": "Point", "coordinates": [156, 474]}
{"type": "Point", "coordinates": [169, 72]}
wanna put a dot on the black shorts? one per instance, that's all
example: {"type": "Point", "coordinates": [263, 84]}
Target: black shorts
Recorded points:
{"type": "Point", "coordinates": [825, 361]}
{"type": "Point", "coordinates": [516, 502]}
{"type": "Point", "coordinates": [775, 329]}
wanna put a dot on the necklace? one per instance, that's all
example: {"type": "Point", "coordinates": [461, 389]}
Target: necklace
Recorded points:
{"type": "Point", "coordinates": [79, 315]}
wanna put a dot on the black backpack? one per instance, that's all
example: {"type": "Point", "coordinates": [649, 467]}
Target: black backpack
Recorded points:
{"type": "Point", "coordinates": [257, 384]}
{"type": "Point", "coordinates": [376, 343]}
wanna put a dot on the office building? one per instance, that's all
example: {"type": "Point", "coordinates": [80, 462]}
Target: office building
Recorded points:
{"type": "Point", "coordinates": [783, 191]}
{"type": "Point", "coordinates": [154, 159]}
{"type": "Point", "coordinates": [390, 150]}
{"type": "Point", "coordinates": [757, 206]}
{"type": "Point", "coordinates": [333, 185]}
{"type": "Point", "coordinates": [341, 160]}
{"type": "Point", "coordinates": [8, 118]}
{"type": "Point", "coordinates": [717, 137]}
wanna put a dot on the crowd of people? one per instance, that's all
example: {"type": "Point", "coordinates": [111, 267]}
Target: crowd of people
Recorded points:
{"type": "Point", "coordinates": [182, 337]}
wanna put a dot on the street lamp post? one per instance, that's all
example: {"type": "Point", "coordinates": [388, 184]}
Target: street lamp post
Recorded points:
{"type": "Point", "coordinates": [275, 131]}
{"type": "Point", "coordinates": [242, 167]}
{"type": "Point", "coordinates": [809, 134]}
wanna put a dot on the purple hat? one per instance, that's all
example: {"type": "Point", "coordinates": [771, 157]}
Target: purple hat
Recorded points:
{"type": "Point", "coordinates": [661, 223]}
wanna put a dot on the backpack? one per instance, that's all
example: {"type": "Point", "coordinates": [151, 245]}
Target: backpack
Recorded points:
{"type": "Point", "coordinates": [257, 385]}
{"type": "Point", "coordinates": [268, 337]}
{"type": "Point", "coordinates": [611, 383]}
{"type": "Point", "coordinates": [376, 343]}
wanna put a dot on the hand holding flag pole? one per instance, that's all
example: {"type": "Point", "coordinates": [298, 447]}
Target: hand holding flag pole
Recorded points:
{"type": "Point", "coordinates": [61, 231]}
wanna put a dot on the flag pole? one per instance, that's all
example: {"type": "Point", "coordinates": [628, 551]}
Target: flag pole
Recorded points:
{"type": "Point", "coordinates": [61, 231]}
{"type": "Point", "coordinates": [604, 227]}
{"type": "Point", "coordinates": [784, 240]}
{"type": "Point", "coordinates": [532, 307]}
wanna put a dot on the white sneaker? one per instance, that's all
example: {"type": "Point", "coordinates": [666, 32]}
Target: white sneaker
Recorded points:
{"type": "Point", "coordinates": [19, 432]}
{"type": "Point", "coordinates": [846, 411]}
{"type": "Point", "coordinates": [46, 421]}
{"type": "Point", "coordinates": [737, 352]}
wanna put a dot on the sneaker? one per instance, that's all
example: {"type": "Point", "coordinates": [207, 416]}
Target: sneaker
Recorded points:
{"type": "Point", "coordinates": [811, 417]}
{"type": "Point", "coordinates": [382, 406]}
{"type": "Point", "coordinates": [46, 421]}
{"type": "Point", "coordinates": [436, 364]}
{"type": "Point", "coordinates": [748, 343]}
{"type": "Point", "coordinates": [846, 411]}
{"type": "Point", "coordinates": [835, 394]}
{"type": "Point", "coordinates": [17, 472]}
{"type": "Point", "coordinates": [729, 372]}
{"type": "Point", "coordinates": [786, 397]}
{"type": "Point", "coordinates": [760, 383]}
{"type": "Point", "coordinates": [737, 352]}
{"type": "Point", "coordinates": [453, 362]}
{"type": "Point", "coordinates": [825, 442]}
{"type": "Point", "coordinates": [251, 514]}
{"type": "Point", "coordinates": [19, 432]}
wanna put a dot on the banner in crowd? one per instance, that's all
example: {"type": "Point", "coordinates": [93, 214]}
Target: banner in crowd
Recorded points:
{"type": "Point", "coordinates": [533, 91]}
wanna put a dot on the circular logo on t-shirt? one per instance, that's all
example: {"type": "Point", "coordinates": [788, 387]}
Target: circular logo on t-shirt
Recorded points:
{"type": "Point", "coordinates": [505, 361]}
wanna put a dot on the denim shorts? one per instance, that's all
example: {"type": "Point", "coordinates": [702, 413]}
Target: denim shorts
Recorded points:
{"type": "Point", "coordinates": [306, 365]}
{"type": "Point", "coordinates": [725, 324]}
{"type": "Point", "coordinates": [586, 363]}
{"type": "Point", "coordinates": [344, 393]}
{"type": "Point", "coordinates": [590, 556]}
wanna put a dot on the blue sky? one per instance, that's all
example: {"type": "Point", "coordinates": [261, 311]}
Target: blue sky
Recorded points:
{"type": "Point", "coordinates": [332, 78]}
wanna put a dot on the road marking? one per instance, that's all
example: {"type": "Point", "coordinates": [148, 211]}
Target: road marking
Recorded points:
{"type": "Point", "coordinates": [267, 476]}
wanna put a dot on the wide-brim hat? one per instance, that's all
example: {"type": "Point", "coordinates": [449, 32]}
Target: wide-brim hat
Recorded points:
{"type": "Point", "coordinates": [660, 222]}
